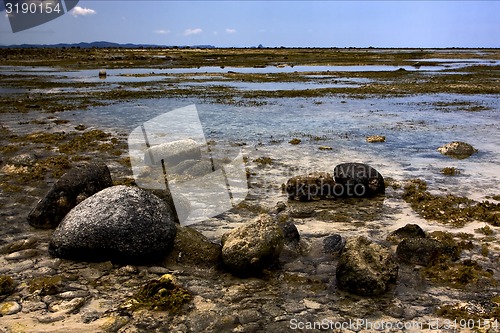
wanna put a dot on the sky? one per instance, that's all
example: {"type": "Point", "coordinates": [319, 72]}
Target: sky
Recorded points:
{"type": "Point", "coordinates": [271, 23]}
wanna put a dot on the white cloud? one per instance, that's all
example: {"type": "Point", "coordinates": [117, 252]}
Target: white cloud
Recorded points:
{"type": "Point", "coordinates": [189, 32]}
{"type": "Point", "coordinates": [230, 31]}
{"type": "Point", "coordinates": [79, 11]}
{"type": "Point", "coordinates": [161, 32]}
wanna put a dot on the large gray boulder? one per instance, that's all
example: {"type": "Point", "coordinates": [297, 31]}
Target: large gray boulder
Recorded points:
{"type": "Point", "coordinates": [457, 149]}
{"type": "Point", "coordinates": [365, 268]}
{"type": "Point", "coordinates": [249, 249]}
{"type": "Point", "coordinates": [120, 223]}
{"type": "Point", "coordinates": [76, 185]}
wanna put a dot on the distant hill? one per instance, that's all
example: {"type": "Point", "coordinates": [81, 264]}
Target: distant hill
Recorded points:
{"type": "Point", "coordinates": [102, 44]}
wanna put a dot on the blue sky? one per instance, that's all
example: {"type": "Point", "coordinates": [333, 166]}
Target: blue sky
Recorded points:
{"type": "Point", "coordinates": [272, 23]}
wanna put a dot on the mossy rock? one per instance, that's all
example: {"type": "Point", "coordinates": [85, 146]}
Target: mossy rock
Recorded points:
{"type": "Point", "coordinates": [162, 294]}
{"type": "Point", "coordinates": [7, 285]}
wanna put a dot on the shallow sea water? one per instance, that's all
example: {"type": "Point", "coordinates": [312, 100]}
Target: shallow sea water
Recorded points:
{"type": "Point", "coordinates": [414, 128]}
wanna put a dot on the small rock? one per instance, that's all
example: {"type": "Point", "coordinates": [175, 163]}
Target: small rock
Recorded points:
{"type": "Point", "coordinates": [375, 138]}
{"type": "Point", "coordinates": [333, 244]}
{"type": "Point", "coordinates": [9, 308]}
{"type": "Point", "coordinates": [82, 181]}
{"type": "Point", "coordinates": [312, 304]}
{"type": "Point", "coordinates": [193, 248]}
{"type": "Point", "coordinates": [19, 245]}
{"type": "Point", "coordinates": [158, 270]}
{"type": "Point", "coordinates": [102, 74]}
{"type": "Point", "coordinates": [23, 160]}
{"type": "Point", "coordinates": [120, 223]}
{"type": "Point", "coordinates": [290, 233]}
{"type": "Point", "coordinates": [295, 141]}
{"type": "Point", "coordinates": [21, 255]}
{"type": "Point", "coordinates": [248, 316]}
{"type": "Point", "coordinates": [423, 251]}
{"type": "Point", "coordinates": [408, 231]}
{"type": "Point", "coordinates": [67, 306]}
{"type": "Point", "coordinates": [365, 268]}
{"type": "Point", "coordinates": [253, 247]}
{"type": "Point", "coordinates": [73, 294]}
{"type": "Point", "coordinates": [50, 318]}
{"type": "Point", "coordinates": [457, 149]}
{"type": "Point", "coordinates": [325, 148]}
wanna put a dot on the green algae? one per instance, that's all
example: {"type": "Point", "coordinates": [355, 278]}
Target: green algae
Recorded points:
{"type": "Point", "coordinates": [162, 295]}
{"type": "Point", "coordinates": [263, 161]}
{"type": "Point", "coordinates": [459, 274]}
{"type": "Point", "coordinates": [7, 285]}
{"type": "Point", "coordinates": [45, 285]}
{"type": "Point", "coordinates": [449, 209]}
{"type": "Point", "coordinates": [450, 171]}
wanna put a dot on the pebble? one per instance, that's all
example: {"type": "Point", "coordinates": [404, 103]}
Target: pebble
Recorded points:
{"type": "Point", "coordinates": [73, 294]}
{"type": "Point", "coordinates": [19, 245]}
{"type": "Point", "coordinates": [312, 304]}
{"type": "Point", "coordinates": [50, 318]}
{"type": "Point", "coordinates": [23, 254]}
{"type": "Point", "coordinates": [9, 308]}
{"type": "Point", "coordinates": [158, 270]}
{"type": "Point", "coordinates": [67, 306]}
{"type": "Point", "coordinates": [30, 306]}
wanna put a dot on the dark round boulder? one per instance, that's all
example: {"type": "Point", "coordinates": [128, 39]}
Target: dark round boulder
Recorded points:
{"type": "Point", "coordinates": [76, 185]}
{"type": "Point", "coordinates": [357, 180]}
{"type": "Point", "coordinates": [120, 223]}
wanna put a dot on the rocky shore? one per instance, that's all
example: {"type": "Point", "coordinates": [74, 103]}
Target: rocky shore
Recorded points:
{"type": "Point", "coordinates": [264, 275]}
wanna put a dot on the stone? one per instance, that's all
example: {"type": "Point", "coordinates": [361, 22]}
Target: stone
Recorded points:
{"type": "Point", "coordinates": [102, 73]}
{"type": "Point", "coordinates": [290, 233]}
{"type": "Point", "coordinates": [22, 255]}
{"type": "Point", "coordinates": [457, 149]}
{"type": "Point", "coordinates": [314, 186]}
{"type": "Point", "coordinates": [365, 268]}
{"type": "Point", "coordinates": [333, 244]}
{"type": "Point", "coordinates": [357, 180]}
{"type": "Point", "coordinates": [375, 138]}
{"type": "Point", "coordinates": [249, 249]}
{"type": "Point", "coordinates": [9, 308]}
{"type": "Point", "coordinates": [408, 231]}
{"type": "Point", "coordinates": [18, 245]}
{"type": "Point", "coordinates": [172, 153]}
{"type": "Point", "coordinates": [424, 251]}
{"type": "Point", "coordinates": [120, 223]}
{"type": "Point", "coordinates": [193, 248]}
{"type": "Point", "coordinates": [348, 180]}
{"type": "Point", "coordinates": [23, 160]}
{"type": "Point", "coordinates": [79, 183]}
{"type": "Point", "coordinates": [325, 148]}
{"type": "Point", "coordinates": [67, 306]}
